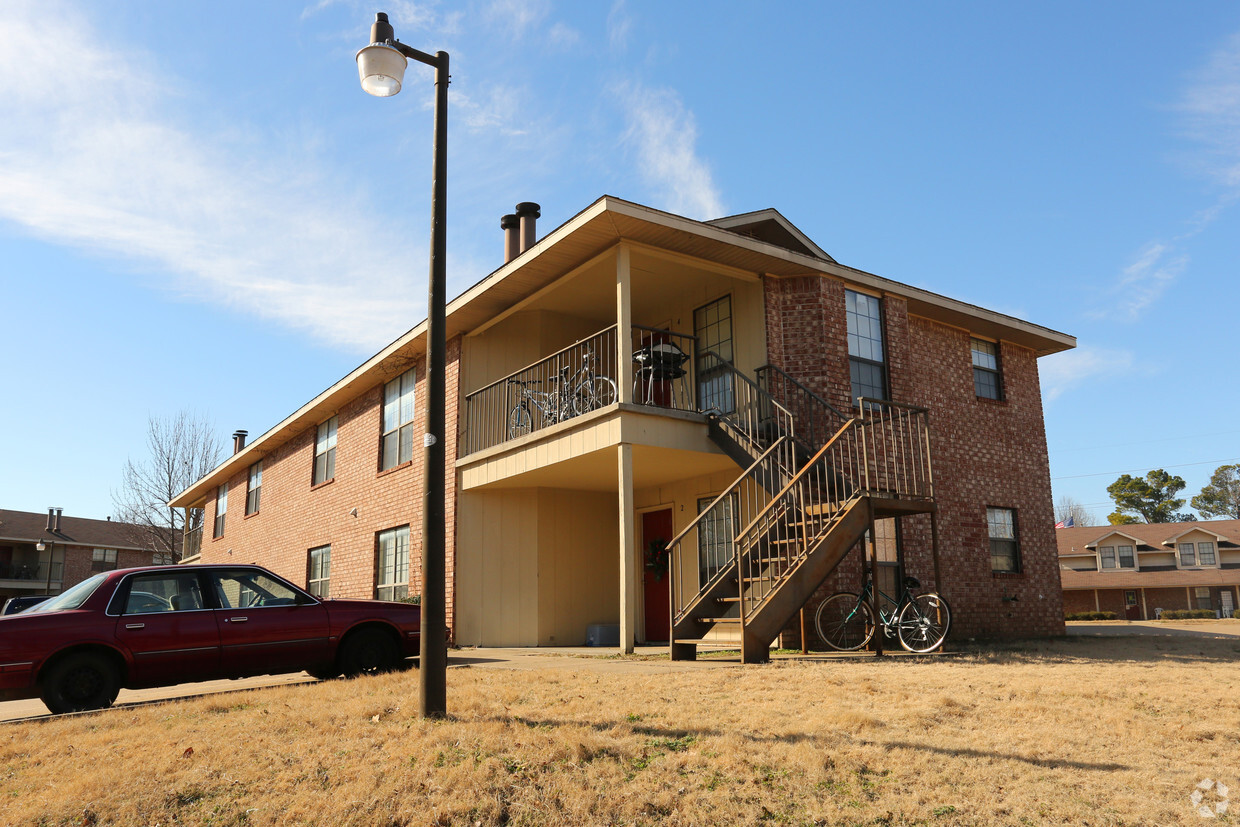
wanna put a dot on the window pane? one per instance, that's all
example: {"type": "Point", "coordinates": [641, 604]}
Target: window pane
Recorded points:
{"type": "Point", "coordinates": [1004, 549]}
{"type": "Point", "coordinates": [1188, 556]}
{"type": "Point", "coordinates": [392, 571]}
{"type": "Point", "coordinates": [164, 593]}
{"type": "Point", "coordinates": [1205, 553]}
{"type": "Point", "coordinates": [1126, 560]}
{"type": "Point", "coordinates": [1108, 556]}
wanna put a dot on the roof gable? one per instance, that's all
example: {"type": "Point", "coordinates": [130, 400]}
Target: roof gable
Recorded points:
{"type": "Point", "coordinates": [770, 226]}
{"type": "Point", "coordinates": [1174, 538]}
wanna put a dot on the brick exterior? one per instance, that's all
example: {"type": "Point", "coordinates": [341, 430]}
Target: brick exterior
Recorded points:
{"type": "Point", "coordinates": [294, 516]}
{"type": "Point", "coordinates": [985, 453]}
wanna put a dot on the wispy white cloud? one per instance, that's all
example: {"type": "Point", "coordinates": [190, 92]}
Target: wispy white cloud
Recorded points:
{"type": "Point", "coordinates": [91, 159]}
{"type": "Point", "coordinates": [619, 26]}
{"type": "Point", "coordinates": [1143, 282]}
{"type": "Point", "coordinates": [1061, 372]}
{"type": "Point", "coordinates": [662, 132]}
{"type": "Point", "coordinates": [1211, 107]}
{"type": "Point", "coordinates": [563, 36]}
{"type": "Point", "coordinates": [517, 18]}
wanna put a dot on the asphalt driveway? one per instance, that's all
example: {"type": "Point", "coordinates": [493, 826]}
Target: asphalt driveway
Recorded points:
{"type": "Point", "coordinates": [1156, 628]}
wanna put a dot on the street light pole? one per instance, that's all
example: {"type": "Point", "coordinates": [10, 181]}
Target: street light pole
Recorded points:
{"type": "Point", "coordinates": [381, 73]}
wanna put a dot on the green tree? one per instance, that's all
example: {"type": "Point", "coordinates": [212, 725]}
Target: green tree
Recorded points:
{"type": "Point", "coordinates": [1150, 499]}
{"type": "Point", "coordinates": [1221, 496]}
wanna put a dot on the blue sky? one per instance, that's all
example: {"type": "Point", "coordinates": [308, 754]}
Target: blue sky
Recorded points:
{"type": "Point", "coordinates": [200, 209]}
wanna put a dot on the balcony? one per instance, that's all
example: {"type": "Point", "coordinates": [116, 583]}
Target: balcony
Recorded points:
{"type": "Point", "coordinates": [580, 379]}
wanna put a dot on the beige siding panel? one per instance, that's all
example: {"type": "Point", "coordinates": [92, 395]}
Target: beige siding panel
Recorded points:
{"type": "Point", "coordinates": [577, 579]}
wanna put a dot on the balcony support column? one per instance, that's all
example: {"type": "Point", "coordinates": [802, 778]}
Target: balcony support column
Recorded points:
{"type": "Point", "coordinates": [624, 326]}
{"type": "Point", "coordinates": [628, 547]}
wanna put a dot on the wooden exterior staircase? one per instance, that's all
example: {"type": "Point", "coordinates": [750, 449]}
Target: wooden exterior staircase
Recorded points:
{"type": "Point", "coordinates": [802, 503]}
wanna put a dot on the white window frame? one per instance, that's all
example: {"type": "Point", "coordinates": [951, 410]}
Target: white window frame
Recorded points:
{"type": "Point", "coordinates": [1106, 553]}
{"type": "Point", "coordinates": [1180, 549]}
{"type": "Point", "coordinates": [1132, 557]}
{"type": "Point", "coordinates": [396, 425]}
{"type": "Point", "coordinates": [325, 452]}
{"type": "Point", "coordinates": [392, 563]}
{"type": "Point", "coordinates": [992, 512]}
{"type": "Point", "coordinates": [103, 559]}
{"type": "Point", "coordinates": [221, 510]}
{"type": "Point", "coordinates": [254, 488]}
{"type": "Point", "coordinates": [319, 571]}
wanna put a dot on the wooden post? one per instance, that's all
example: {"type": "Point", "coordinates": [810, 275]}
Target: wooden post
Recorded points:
{"type": "Point", "coordinates": [628, 537]}
{"type": "Point", "coordinates": [874, 604]}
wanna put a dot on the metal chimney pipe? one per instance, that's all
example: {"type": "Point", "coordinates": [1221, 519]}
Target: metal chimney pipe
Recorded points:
{"type": "Point", "coordinates": [56, 522]}
{"type": "Point", "coordinates": [51, 516]}
{"type": "Point", "coordinates": [528, 212]}
{"type": "Point", "coordinates": [239, 440]}
{"type": "Point", "coordinates": [512, 242]}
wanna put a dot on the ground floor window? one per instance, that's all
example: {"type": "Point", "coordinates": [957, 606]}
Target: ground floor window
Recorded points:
{"type": "Point", "coordinates": [1202, 594]}
{"type": "Point", "coordinates": [1004, 547]}
{"type": "Point", "coordinates": [319, 574]}
{"type": "Point", "coordinates": [103, 559]}
{"type": "Point", "coordinates": [1130, 598]}
{"type": "Point", "coordinates": [716, 535]}
{"type": "Point", "coordinates": [392, 569]}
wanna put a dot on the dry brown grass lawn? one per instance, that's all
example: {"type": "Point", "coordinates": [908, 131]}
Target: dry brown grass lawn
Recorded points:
{"type": "Point", "coordinates": [1078, 731]}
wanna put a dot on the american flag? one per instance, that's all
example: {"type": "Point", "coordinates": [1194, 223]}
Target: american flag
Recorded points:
{"type": "Point", "coordinates": [1068, 523]}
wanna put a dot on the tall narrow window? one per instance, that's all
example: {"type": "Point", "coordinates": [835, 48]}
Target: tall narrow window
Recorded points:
{"type": "Point", "coordinates": [1004, 547]}
{"type": "Point", "coordinates": [392, 566]}
{"type": "Point", "coordinates": [221, 508]}
{"type": "Point", "coordinates": [987, 382]}
{"type": "Point", "coordinates": [1205, 554]}
{"type": "Point", "coordinates": [254, 488]}
{"type": "Point", "coordinates": [1126, 558]}
{"type": "Point", "coordinates": [1107, 554]}
{"type": "Point", "coordinates": [325, 452]}
{"type": "Point", "coordinates": [319, 572]}
{"type": "Point", "coordinates": [398, 421]}
{"type": "Point", "coordinates": [1202, 593]}
{"type": "Point", "coordinates": [716, 535]}
{"type": "Point", "coordinates": [712, 324]}
{"type": "Point", "coordinates": [867, 361]}
{"type": "Point", "coordinates": [1188, 554]}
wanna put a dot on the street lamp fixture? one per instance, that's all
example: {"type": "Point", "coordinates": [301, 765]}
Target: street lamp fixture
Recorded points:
{"type": "Point", "coordinates": [381, 68]}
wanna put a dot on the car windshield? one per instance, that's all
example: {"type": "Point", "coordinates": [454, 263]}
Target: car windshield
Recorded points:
{"type": "Point", "coordinates": [71, 599]}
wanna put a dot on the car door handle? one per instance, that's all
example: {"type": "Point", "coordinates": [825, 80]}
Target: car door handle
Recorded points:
{"type": "Point", "coordinates": [238, 619]}
{"type": "Point", "coordinates": [135, 625]}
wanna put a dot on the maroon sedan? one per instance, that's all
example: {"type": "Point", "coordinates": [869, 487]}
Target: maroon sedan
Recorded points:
{"type": "Point", "coordinates": [164, 625]}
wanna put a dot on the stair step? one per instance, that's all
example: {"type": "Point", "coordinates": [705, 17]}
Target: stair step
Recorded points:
{"type": "Point", "coordinates": [718, 620]}
{"type": "Point", "coordinates": [732, 599]}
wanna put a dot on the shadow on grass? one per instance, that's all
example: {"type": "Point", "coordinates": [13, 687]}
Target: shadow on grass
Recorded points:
{"type": "Point", "coordinates": [1109, 649]}
{"type": "Point", "coordinates": [1048, 763]}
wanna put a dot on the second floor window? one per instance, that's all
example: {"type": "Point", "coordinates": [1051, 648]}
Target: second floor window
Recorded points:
{"type": "Point", "coordinates": [867, 361]}
{"type": "Point", "coordinates": [163, 558]}
{"type": "Point", "coordinates": [987, 383]}
{"type": "Point", "coordinates": [319, 572]}
{"type": "Point", "coordinates": [325, 452]}
{"type": "Point", "coordinates": [221, 509]}
{"type": "Point", "coordinates": [103, 559]}
{"type": "Point", "coordinates": [1004, 548]}
{"type": "Point", "coordinates": [254, 488]}
{"type": "Point", "coordinates": [392, 565]}
{"type": "Point", "coordinates": [397, 421]}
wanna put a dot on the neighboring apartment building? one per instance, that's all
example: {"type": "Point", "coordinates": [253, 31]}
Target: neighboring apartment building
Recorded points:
{"type": "Point", "coordinates": [608, 387]}
{"type": "Point", "coordinates": [48, 553]}
{"type": "Point", "coordinates": [1138, 569]}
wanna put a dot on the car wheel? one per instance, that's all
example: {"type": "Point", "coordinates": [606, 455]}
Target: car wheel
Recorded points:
{"type": "Point", "coordinates": [80, 682]}
{"type": "Point", "coordinates": [368, 652]}
{"type": "Point", "coordinates": [325, 673]}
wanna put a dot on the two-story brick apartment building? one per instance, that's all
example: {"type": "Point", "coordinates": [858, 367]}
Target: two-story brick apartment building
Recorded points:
{"type": "Point", "coordinates": [48, 553]}
{"type": "Point", "coordinates": [1137, 569]}
{"type": "Point", "coordinates": [636, 375]}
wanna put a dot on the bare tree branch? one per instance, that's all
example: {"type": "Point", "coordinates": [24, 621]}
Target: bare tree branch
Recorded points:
{"type": "Point", "coordinates": [180, 451]}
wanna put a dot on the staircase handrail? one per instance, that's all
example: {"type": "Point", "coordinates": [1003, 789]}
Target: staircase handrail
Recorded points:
{"type": "Point", "coordinates": [779, 413]}
{"type": "Point", "coordinates": [801, 474]}
{"type": "Point", "coordinates": [804, 389]}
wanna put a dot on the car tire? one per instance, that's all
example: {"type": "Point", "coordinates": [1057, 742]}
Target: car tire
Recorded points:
{"type": "Point", "coordinates": [325, 673]}
{"type": "Point", "coordinates": [368, 652]}
{"type": "Point", "coordinates": [80, 682]}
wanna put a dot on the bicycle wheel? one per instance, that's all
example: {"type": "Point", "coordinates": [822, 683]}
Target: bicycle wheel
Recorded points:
{"type": "Point", "coordinates": [924, 623]}
{"type": "Point", "coordinates": [844, 622]}
{"type": "Point", "coordinates": [520, 422]}
{"type": "Point", "coordinates": [595, 392]}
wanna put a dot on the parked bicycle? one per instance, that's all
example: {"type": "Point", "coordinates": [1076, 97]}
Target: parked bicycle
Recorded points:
{"type": "Point", "coordinates": [589, 391]}
{"type": "Point", "coordinates": [919, 621]}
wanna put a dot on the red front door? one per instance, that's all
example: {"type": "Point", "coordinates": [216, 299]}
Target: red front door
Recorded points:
{"type": "Point", "coordinates": [656, 528]}
{"type": "Point", "coordinates": [1131, 610]}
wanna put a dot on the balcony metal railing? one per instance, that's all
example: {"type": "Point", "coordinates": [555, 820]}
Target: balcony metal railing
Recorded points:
{"type": "Point", "coordinates": [581, 378]}
{"type": "Point", "coordinates": [193, 543]}
{"type": "Point", "coordinates": [34, 572]}
{"type": "Point", "coordinates": [578, 379]}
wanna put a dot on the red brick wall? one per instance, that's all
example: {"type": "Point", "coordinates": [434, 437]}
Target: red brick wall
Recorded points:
{"type": "Point", "coordinates": [294, 517]}
{"type": "Point", "coordinates": [985, 453]}
{"type": "Point", "coordinates": [1078, 601]}
{"type": "Point", "coordinates": [1112, 600]}
{"type": "Point", "coordinates": [78, 561]}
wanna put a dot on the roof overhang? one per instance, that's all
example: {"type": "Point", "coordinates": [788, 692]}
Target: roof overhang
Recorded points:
{"type": "Point", "coordinates": [606, 223]}
{"type": "Point", "coordinates": [1135, 540]}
